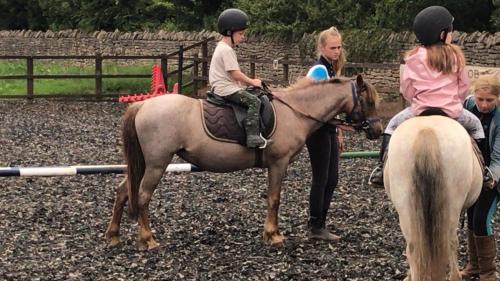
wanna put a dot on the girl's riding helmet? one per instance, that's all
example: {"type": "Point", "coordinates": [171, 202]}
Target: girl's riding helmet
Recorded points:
{"type": "Point", "coordinates": [231, 20]}
{"type": "Point", "coordinates": [429, 23]}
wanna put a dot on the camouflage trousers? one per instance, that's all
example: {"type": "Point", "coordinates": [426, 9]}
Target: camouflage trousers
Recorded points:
{"type": "Point", "coordinates": [252, 103]}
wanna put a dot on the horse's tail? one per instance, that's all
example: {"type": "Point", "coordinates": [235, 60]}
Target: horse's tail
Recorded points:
{"type": "Point", "coordinates": [431, 245]}
{"type": "Point", "coordinates": [134, 158]}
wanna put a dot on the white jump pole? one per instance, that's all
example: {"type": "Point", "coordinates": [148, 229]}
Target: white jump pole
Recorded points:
{"type": "Point", "coordinates": [82, 170]}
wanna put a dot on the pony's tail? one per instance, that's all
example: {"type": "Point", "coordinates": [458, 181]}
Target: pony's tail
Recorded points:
{"type": "Point", "coordinates": [134, 158]}
{"type": "Point", "coordinates": [431, 243]}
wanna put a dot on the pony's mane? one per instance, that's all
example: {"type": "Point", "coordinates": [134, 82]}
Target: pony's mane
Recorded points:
{"type": "Point", "coordinates": [305, 82]}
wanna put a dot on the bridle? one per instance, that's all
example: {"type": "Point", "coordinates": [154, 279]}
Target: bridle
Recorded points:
{"type": "Point", "coordinates": [357, 113]}
{"type": "Point", "coordinates": [361, 122]}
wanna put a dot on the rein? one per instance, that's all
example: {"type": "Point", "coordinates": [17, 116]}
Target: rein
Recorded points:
{"type": "Point", "coordinates": [335, 121]}
{"type": "Point", "coordinates": [307, 115]}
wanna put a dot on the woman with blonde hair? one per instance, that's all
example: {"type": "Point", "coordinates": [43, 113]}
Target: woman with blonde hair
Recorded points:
{"type": "Point", "coordinates": [481, 242]}
{"type": "Point", "coordinates": [324, 145]}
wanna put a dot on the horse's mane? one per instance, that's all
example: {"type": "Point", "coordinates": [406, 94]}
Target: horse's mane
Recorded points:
{"type": "Point", "coordinates": [305, 82]}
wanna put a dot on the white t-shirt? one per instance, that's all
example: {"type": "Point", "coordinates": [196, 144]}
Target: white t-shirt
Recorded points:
{"type": "Point", "coordinates": [223, 60]}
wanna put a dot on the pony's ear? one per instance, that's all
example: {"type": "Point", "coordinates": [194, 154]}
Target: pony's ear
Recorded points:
{"type": "Point", "coordinates": [359, 81]}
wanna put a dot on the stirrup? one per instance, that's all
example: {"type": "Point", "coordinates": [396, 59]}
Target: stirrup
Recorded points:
{"type": "Point", "coordinates": [266, 142]}
{"type": "Point", "coordinates": [370, 179]}
{"type": "Point", "coordinates": [488, 178]}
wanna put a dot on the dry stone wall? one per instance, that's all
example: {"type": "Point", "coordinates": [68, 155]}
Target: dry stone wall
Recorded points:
{"type": "Point", "coordinates": [481, 48]}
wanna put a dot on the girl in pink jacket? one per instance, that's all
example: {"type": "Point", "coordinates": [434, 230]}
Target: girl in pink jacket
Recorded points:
{"type": "Point", "coordinates": [433, 77]}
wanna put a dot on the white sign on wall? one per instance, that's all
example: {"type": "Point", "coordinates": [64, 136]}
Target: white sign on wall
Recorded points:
{"type": "Point", "coordinates": [472, 71]}
{"type": "Point", "coordinates": [475, 71]}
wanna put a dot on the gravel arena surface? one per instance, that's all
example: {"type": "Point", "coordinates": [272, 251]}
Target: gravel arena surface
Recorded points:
{"type": "Point", "coordinates": [209, 225]}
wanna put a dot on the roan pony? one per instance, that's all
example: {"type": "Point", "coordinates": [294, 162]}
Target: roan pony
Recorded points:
{"type": "Point", "coordinates": [156, 129]}
{"type": "Point", "coordinates": [431, 175]}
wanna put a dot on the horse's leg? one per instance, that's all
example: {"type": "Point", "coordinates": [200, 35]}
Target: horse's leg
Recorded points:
{"type": "Point", "coordinates": [409, 257]}
{"type": "Point", "coordinates": [454, 271]}
{"type": "Point", "coordinates": [276, 172]}
{"type": "Point", "coordinates": [408, 276]}
{"type": "Point", "coordinates": [406, 229]}
{"type": "Point", "coordinates": [113, 231]}
{"type": "Point", "coordinates": [152, 177]}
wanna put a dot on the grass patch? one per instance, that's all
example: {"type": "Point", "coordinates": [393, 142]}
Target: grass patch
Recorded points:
{"type": "Point", "coordinates": [75, 86]}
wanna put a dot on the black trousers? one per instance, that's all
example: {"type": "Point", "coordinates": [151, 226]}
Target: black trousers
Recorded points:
{"type": "Point", "coordinates": [480, 215]}
{"type": "Point", "coordinates": [324, 155]}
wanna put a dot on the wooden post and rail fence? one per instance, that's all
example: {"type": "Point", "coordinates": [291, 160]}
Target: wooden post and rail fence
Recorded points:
{"type": "Point", "coordinates": [197, 65]}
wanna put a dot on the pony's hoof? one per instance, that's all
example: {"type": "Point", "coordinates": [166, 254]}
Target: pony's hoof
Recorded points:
{"type": "Point", "coordinates": [278, 241]}
{"type": "Point", "coordinates": [114, 241]}
{"type": "Point", "coordinates": [148, 245]}
{"type": "Point", "coordinates": [112, 237]}
{"type": "Point", "coordinates": [274, 239]}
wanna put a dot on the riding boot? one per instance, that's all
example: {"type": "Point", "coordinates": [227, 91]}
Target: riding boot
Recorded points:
{"type": "Point", "coordinates": [252, 129]}
{"type": "Point", "coordinates": [472, 267]}
{"type": "Point", "coordinates": [377, 176]}
{"type": "Point", "coordinates": [318, 231]}
{"type": "Point", "coordinates": [488, 180]}
{"type": "Point", "coordinates": [486, 253]}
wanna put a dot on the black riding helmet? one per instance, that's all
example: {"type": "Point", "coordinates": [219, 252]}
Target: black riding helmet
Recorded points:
{"type": "Point", "coordinates": [430, 22]}
{"type": "Point", "coordinates": [231, 20]}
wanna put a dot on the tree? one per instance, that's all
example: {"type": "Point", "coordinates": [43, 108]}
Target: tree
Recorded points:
{"type": "Point", "coordinates": [109, 15]}
{"type": "Point", "coordinates": [290, 18]}
{"type": "Point", "coordinates": [193, 14]}
{"type": "Point", "coordinates": [470, 15]}
{"type": "Point", "coordinates": [60, 14]}
{"type": "Point", "coordinates": [21, 14]}
{"type": "Point", "coordinates": [294, 17]}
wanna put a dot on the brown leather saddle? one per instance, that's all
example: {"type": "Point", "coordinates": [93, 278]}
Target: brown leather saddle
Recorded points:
{"type": "Point", "coordinates": [223, 120]}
